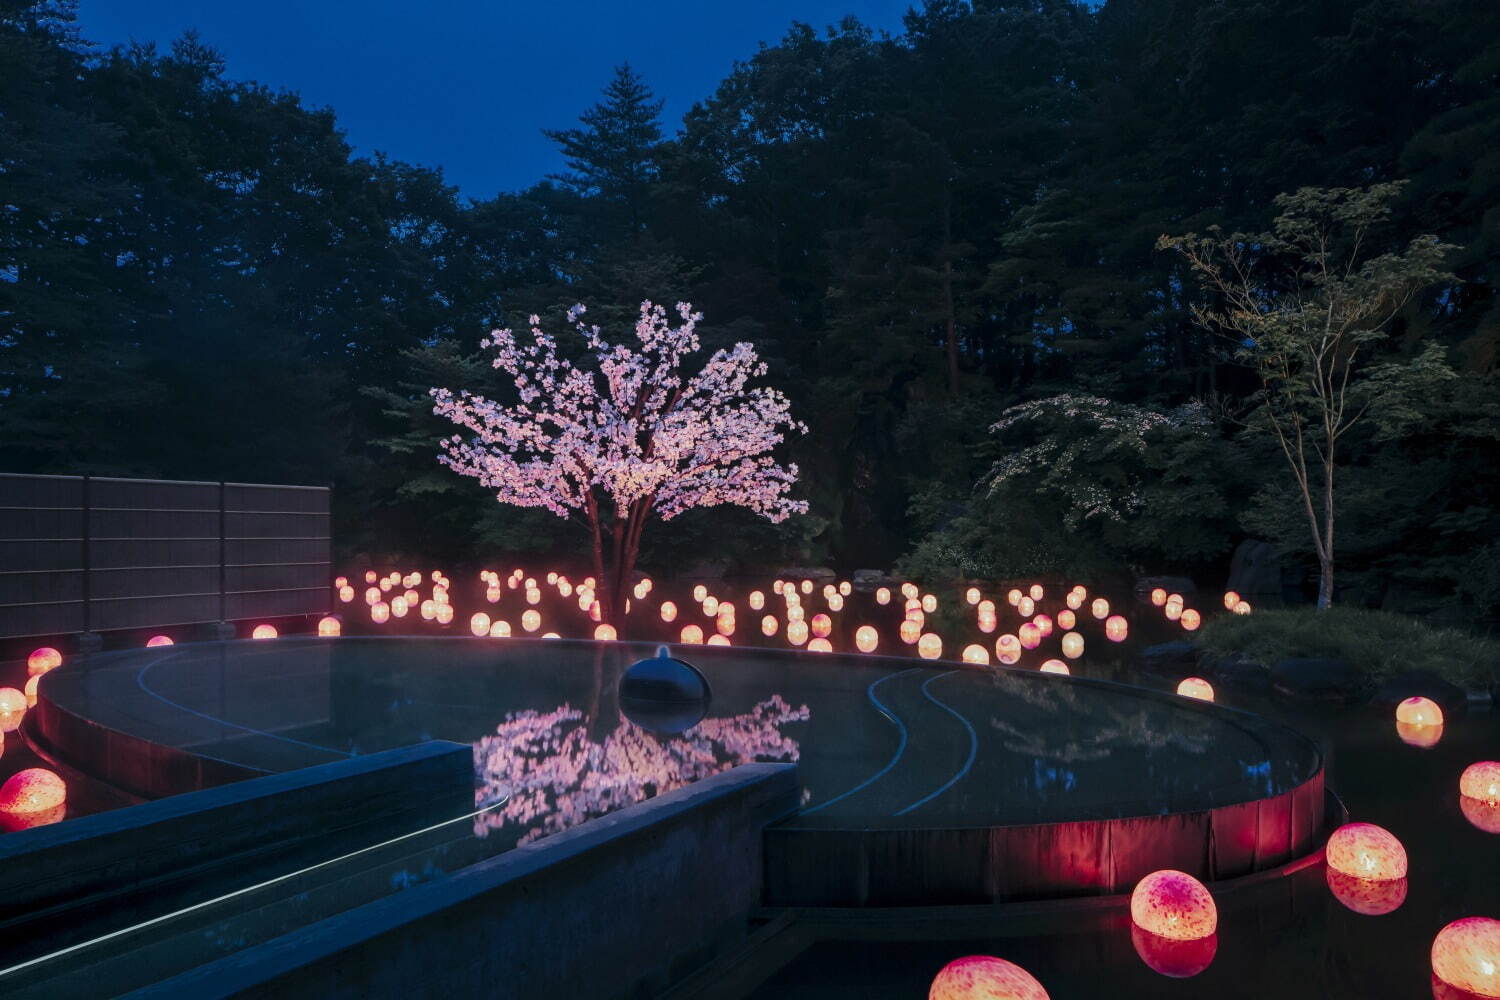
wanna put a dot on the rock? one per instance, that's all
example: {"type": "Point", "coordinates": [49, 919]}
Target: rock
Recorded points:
{"type": "Point", "coordinates": [1240, 673]}
{"type": "Point", "coordinates": [1317, 679]}
{"type": "Point", "coordinates": [1171, 659]}
{"type": "Point", "coordinates": [1171, 584]}
{"type": "Point", "coordinates": [1255, 570]}
{"type": "Point", "coordinates": [1451, 698]}
{"type": "Point", "coordinates": [871, 579]}
{"type": "Point", "coordinates": [818, 573]}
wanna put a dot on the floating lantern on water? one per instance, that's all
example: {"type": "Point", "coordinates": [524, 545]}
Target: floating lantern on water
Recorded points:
{"type": "Point", "coordinates": [1043, 624]}
{"type": "Point", "coordinates": [807, 586]}
{"type": "Point", "coordinates": [972, 595]}
{"type": "Point", "coordinates": [1100, 608]}
{"type": "Point", "coordinates": [757, 600]}
{"type": "Point", "coordinates": [428, 609]}
{"type": "Point", "coordinates": [796, 632]}
{"type": "Point", "coordinates": [380, 612]}
{"type": "Point", "coordinates": [328, 627]}
{"type": "Point", "coordinates": [533, 595]}
{"type": "Point", "coordinates": [883, 595]}
{"type": "Point", "coordinates": [768, 625]}
{"type": "Point", "coordinates": [412, 598]}
{"type": "Point", "coordinates": [1074, 600]}
{"type": "Point", "coordinates": [929, 646]}
{"type": "Point", "coordinates": [1066, 619]}
{"type": "Point", "coordinates": [1030, 636]}
{"type": "Point", "coordinates": [1173, 612]}
{"type": "Point", "coordinates": [845, 588]}
{"type": "Point", "coordinates": [1466, 956]}
{"type": "Point", "coordinates": [492, 594]}
{"type": "Point", "coordinates": [1158, 596]}
{"type": "Point", "coordinates": [158, 640]}
{"type": "Point", "coordinates": [263, 632]}
{"type": "Point", "coordinates": [1072, 645]}
{"type": "Point", "coordinates": [821, 625]}
{"type": "Point", "coordinates": [1369, 897]}
{"type": "Point", "coordinates": [975, 654]}
{"type": "Point", "coordinates": [370, 576]}
{"type": "Point", "coordinates": [605, 632]}
{"type": "Point", "coordinates": [1481, 781]}
{"type": "Point", "coordinates": [909, 589]}
{"type": "Point", "coordinates": [1175, 959]}
{"type": "Point", "coordinates": [42, 660]}
{"type": "Point", "coordinates": [500, 629]}
{"type": "Point", "coordinates": [668, 611]}
{"type": "Point", "coordinates": [866, 638]}
{"type": "Point", "coordinates": [1191, 620]}
{"type": "Point", "coordinates": [1036, 592]}
{"type": "Point", "coordinates": [1364, 850]}
{"type": "Point", "coordinates": [796, 613]}
{"type": "Point", "coordinates": [1013, 597]}
{"type": "Point", "coordinates": [988, 623]}
{"type": "Point", "coordinates": [983, 977]}
{"type": "Point", "coordinates": [985, 607]}
{"type": "Point", "coordinates": [1242, 608]}
{"type": "Point", "coordinates": [1230, 600]}
{"type": "Point", "coordinates": [346, 593]}
{"type": "Point", "coordinates": [718, 640]}
{"type": "Point", "coordinates": [30, 691]}
{"type": "Point", "coordinates": [692, 635]}
{"type": "Point", "coordinates": [386, 584]}
{"type": "Point", "coordinates": [32, 796]}
{"type": "Point", "coordinates": [372, 595]}
{"type": "Point", "coordinates": [444, 614]}
{"type": "Point", "coordinates": [1196, 687]}
{"type": "Point", "coordinates": [564, 588]}
{"type": "Point", "coordinates": [531, 620]}
{"type": "Point", "coordinates": [725, 626]}
{"type": "Point", "coordinates": [1116, 628]}
{"type": "Point", "coordinates": [710, 606]}
{"type": "Point", "coordinates": [400, 605]}
{"type": "Point", "coordinates": [913, 604]}
{"type": "Point", "coordinates": [909, 631]}
{"type": "Point", "coordinates": [1054, 667]}
{"type": "Point", "coordinates": [479, 623]}
{"type": "Point", "coordinates": [1419, 711]}
{"type": "Point", "coordinates": [836, 603]}
{"type": "Point", "coordinates": [1008, 649]}
{"type": "Point", "coordinates": [820, 645]}
{"type": "Point", "coordinates": [1483, 815]}
{"type": "Point", "coordinates": [1026, 607]}
{"type": "Point", "coordinates": [929, 603]}
{"type": "Point", "coordinates": [1173, 905]}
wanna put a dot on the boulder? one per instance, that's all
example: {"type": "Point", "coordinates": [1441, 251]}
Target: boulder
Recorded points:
{"type": "Point", "coordinates": [871, 579]}
{"type": "Point", "coordinates": [1238, 672]}
{"type": "Point", "coordinates": [1451, 698]}
{"type": "Point", "coordinates": [1255, 570]}
{"type": "Point", "coordinates": [1171, 584]}
{"type": "Point", "coordinates": [817, 573]}
{"type": "Point", "coordinates": [1171, 659]}
{"type": "Point", "coordinates": [1318, 679]}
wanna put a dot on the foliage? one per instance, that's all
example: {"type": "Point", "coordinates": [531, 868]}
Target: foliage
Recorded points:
{"type": "Point", "coordinates": [1378, 642]}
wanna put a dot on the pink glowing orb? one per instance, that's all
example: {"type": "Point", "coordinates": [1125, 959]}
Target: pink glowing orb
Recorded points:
{"type": "Point", "coordinates": [479, 623]}
{"type": "Point", "coordinates": [1158, 597]}
{"type": "Point", "coordinates": [1026, 607]}
{"type": "Point", "coordinates": [1043, 624]}
{"type": "Point", "coordinates": [1075, 598]}
{"type": "Point", "coordinates": [866, 638]}
{"type": "Point", "coordinates": [33, 790]}
{"type": "Point", "coordinates": [329, 626]}
{"type": "Point", "coordinates": [605, 632]}
{"type": "Point", "coordinates": [1419, 711]}
{"type": "Point", "coordinates": [1366, 851]}
{"type": "Point", "coordinates": [1054, 667]}
{"type": "Point", "coordinates": [31, 683]}
{"type": "Point", "coordinates": [1066, 620]}
{"type": "Point", "coordinates": [1196, 687]}
{"type": "Point", "coordinates": [380, 612]}
{"type": "Point", "coordinates": [1116, 628]}
{"type": "Point", "coordinates": [974, 653]}
{"type": "Point", "coordinates": [346, 593]}
{"type": "Point", "coordinates": [1173, 958]}
{"type": "Point", "coordinates": [1099, 608]}
{"type": "Point", "coordinates": [1072, 645]}
{"type": "Point", "coordinates": [983, 977]}
{"type": "Point", "coordinates": [796, 632]}
{"type": "Point", "coordinates": [42, 660]}
{"type": "Point", "coordinates": [692, 635]}
{"type": "Point", "coordinates": [1481, 815]}
{"type": "Point", "coordinates": [444, 614]}
{"type": "Point", "coordinates": [1230, 600]}
{"type": "Point", "coordinates": [12, 702]}
{"type": "Point", "coordinates": [1422, 737]}
{"type": "Point", "coordinates": [1173, 612]}
{"type": "Point", "coordinates": [1174, 905]}
{"type": "Point", "coordinates": [1191, 620]}
{"type": "Point", "coordinates": [972, 595]}
{"type": "Point", "coordinates": [910, 631]}
{"type": "Point", "coordinates": [710, 606]}
{"type": "Point", "coordinates": [883, 595]}
{"type": "Point", "coordinates": [668, 611]}
{"type": "Point", "coordinates": [1242, 608]}
{"type": "Point", "coordinates": [158, 640]}
{"type": "Point", "coordinates": [1035, 592]}
{"type": "Point", "coordinates": [531, 620]}
{"type": "Point", "coordinates": [499, 630]}
{"type": "Point", "coordinates": [988, 623]}
{"type": "Point", "coordinates": [768, 625]}
{"type": "Point", "coordinates": [1481, 780]}
{"type": "Point", "coordinates": [263, 632]}
{"type": "Point", "coordinates": [929, 603]}
{"type": "Point", "coordinates": [369, 576]}
{"type": "Point", "coordinates": [1008, 649]}
{"type": "Point", "coordinates": [1030, 636]}
{"type": "Point", "coordinates": [1367, 896]}
{"type": "Point", "coordinates": [820, 645]}
{"type": "Point", "coordinates": [723, 640]}
{"type": "Point", "coordinates": [1466, 956]}
{"type": "Point", "coordinates": [821, 625]}
{"type": "Point", "coordinates": [1013, 597]}
{"type": "Point", "coordinates": [929, 646]}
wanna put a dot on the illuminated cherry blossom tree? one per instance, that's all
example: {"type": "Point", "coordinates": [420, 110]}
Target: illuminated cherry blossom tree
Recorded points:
{"type": "Point", "coordinates": [627, 437]}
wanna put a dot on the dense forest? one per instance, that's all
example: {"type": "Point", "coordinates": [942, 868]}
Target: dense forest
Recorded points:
{"type": "Point", "coordinates": [944, 242]}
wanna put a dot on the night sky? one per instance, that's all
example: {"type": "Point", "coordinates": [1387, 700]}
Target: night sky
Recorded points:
{"type": "Point", "coordinates": [467, 85]}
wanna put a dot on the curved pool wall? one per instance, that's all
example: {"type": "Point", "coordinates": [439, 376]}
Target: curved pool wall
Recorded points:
{"type": "Point", "coordinates": [938, 783]}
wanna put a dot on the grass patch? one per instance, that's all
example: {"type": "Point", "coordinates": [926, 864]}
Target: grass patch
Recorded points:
{"type": "Point", "coordinates": [1381, 643]}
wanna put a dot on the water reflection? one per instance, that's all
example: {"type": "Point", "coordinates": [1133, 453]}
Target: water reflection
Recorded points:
{"type": "Point", "coordinates": [558, 773]}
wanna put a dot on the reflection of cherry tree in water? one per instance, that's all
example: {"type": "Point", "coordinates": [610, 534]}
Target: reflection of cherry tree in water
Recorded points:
{"type": "Point", "coordinates": [558, 773]}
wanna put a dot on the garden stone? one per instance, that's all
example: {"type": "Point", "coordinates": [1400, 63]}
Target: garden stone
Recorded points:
{"type": "Point", "coordinates": [806, 573]}
{"type": "Point", "coordinates": [1171, 659]}
{"type": "Point", "coordinates": [1318, 679]}
{"type": "Point", "coordinates": [1240, 673]}
{"type": "Point", "coordinates": [1451, 698]}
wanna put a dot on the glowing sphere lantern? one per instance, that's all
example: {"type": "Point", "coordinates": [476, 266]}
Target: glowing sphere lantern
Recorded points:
{"type": "Point", "coordinates": [346, 593]}
{"type": "Point", "coordinates": [820, 645]}
{"type": "Point", "coordinates": [1030, 636]}
{"type": "Point", "coordinates": [807, 586]}
{"type": "Point", "coordinates": [845, 588]}
{"type": "Point", "coordinates": [929, 646]}
{"type": "Point", "coordinates": [492, 594]}
{"type": "Point", "coordinates": [836, 602]}
{"type": "Point", "coordinates": [328, 627]}
{"type": "Point", "coordinates": [1055, 667]}
{"type": "Point", "coordinates": [1072, 645]}
{"type": "Point", "coordinates": [768, 625]}
{"type": "Point", "coordinates": [822, 625]}
{"type": "Point", "coordinates": [1230, 600]}
{"type": "Point", "coordinates": [668, 611]}
{"type": "Point", "coordinates": [596, 611]}
{"type": "Point", "coordinates": [380, 612]}
{"type": "Point", "coordinates": [1173, 905]}
{"type": "Point", "coordinates": [988, 623]}
{"type": "Point", "coordinates": [1026, 607]}
{"type": "Point", "coordinates": [1419, 711]}
{"type": "Point", "coordinates": [444, 614]}
{"type": "Point", "coordinates": [604, 632]}
{"type": "Point", "coordinates": [909, 631]}
{"type": "Point", "coordinates": [724, 624]}
{"type": "Point", "coordinates": [428, 609]}
{"type": "Point", "coordinates": [757, 600]}
{"type": "Point", "coordinates": [1116, 628]}
{"type": "Point", "coordinates": [533, 595]}
{"type": "Point", "coordinates": [1483, 815]}
{"type": "Point", "coordinates": [1175, 599]}
{"type": "Point", "coordinates": [974, 653]}
{"type": "Point", "coordinates": [913, 604]}
{"type": "Point", "coordinates": [972, 595]}
{"type": "Point", "coordinates": [1043, 624]}
{"type": "Point", "coordinates": [985, 607]}
{"type": "Point", "coordinates": [42, 660]}
{"type": "Point", "coordinates": [1196, 687]}
{"type": "Point", "coordinates": [1013, 597]}
{"type": "Point", "coordinates": [640, 590]}
{"type": "Point", "coordinates": [1099, 608]}
{"type": "Point", "coordinates": [1158, 597]}
{"type": "Point", "coordinates": [1421, 737]}
{"type": "Point", "coordinates": [31, 792]}
{"type": "Point", "coordinates": [1173, 612]}
{"type": "Point", "coordinates": [1035, 592]}
{"type": "Point", "coordinates": [479, 623]}
{"type": "Point", "coordinates": [400, 605]}
{"type": "Point", "coordinates": [1074, 600]}
{"type": "Point", "coordinates": [1172, 958]}
{"type": "Point", "coordinates": [796, 632]}
{"type": "Point", "coordinates": [796, 613]}
{"type": "Point", "coordinates": [1191, 620]}
{"type": "Point", "coordinates": [983, 977]}
{"type": "Point", "coordinates": [552, 577]}
{"type": "Point", "coordinates": [1242, 608]}
{"type": "Point", "coordinates": [158, 640]}
{"type": "Point", "coordinates": [1481, 781]}
{"type": "Point", "coordinates": [866, 638]}
{"type": "Point", "coordinates": [829, 590]}
{"type": "Point", "coordinates": [883, 595]}
{"type": "Point", "coordinates": [500, 629]}
{"type": "Point", "coordinates": [30, 691]}
{"type": "Point", "coordinates": [1368, 897]}
{"type": "Point", "coordinates": [1066, 619]}
{"type": "Point", "coordinates": [12, 708]}
{"type": "Point", "coordinates": [564, 588]}
{"type": "Point", "coordinates": [916, 615]}
{"type": "Point", "coordinates": [531, 620]}
{"type": "Point", "coordinates": [372, 595]}
{"type": "Point", "coordinates": [719, 640]}
{"type": "Point", "coordinates": [1008, 649]}
{"type": "Point", "coordinates": [909, 589]}
{"type": "Point", "coordinates": [710, 606]}
{"type": "Point", "coordinates": [1466, 956]}
{"type": "Point", "coordinates": [1367, 851]}
{"type": "Point", "coordinates": [370, 576]}
{"type": "Point", "coordinates": [929, 603]}
{"type": "Point", "coordinates": [692, 635]}
{"type": "Point", "coordinates": [386, 584]}
{"type": "Point", "coordinates": [263, 632]}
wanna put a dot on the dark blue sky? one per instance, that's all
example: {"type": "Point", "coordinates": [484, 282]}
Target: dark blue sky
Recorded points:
{"type": "Point", "coordinates": [466, 85]}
